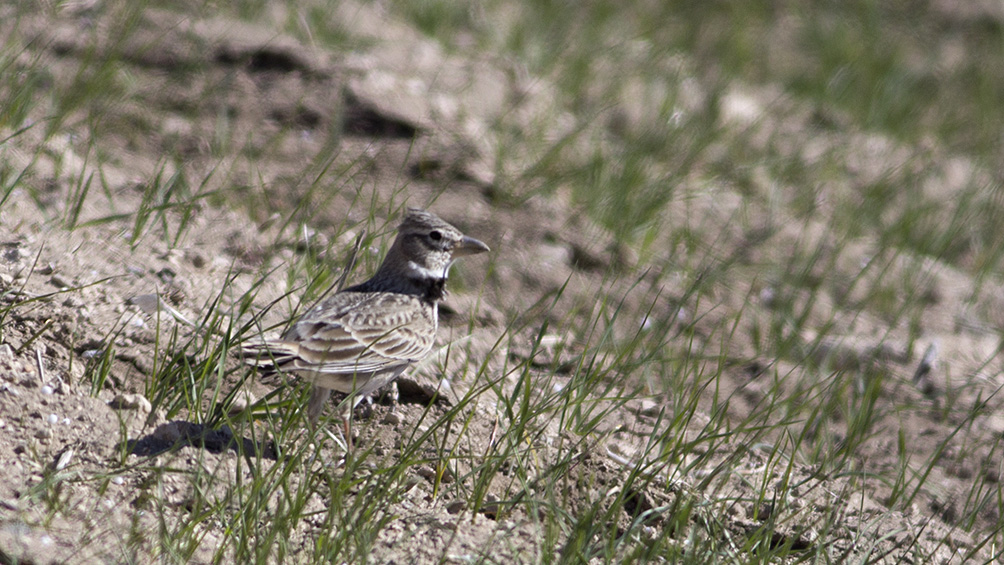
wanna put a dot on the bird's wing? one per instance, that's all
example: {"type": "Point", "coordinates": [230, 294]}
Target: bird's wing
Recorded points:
{"type": "Point", "coordinates": [358, 333]}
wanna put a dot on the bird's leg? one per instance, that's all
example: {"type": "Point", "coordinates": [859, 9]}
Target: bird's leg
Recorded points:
{"type": "Point", "coordinates": [350, 404]}
{"type": "Point", "coordinates": [395, 396]}
{"type": "Point", "coordinates": [318, 397]}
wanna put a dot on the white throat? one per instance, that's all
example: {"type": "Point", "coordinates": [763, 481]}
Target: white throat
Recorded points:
{"type": "Point", "coordinates": [425, 273]}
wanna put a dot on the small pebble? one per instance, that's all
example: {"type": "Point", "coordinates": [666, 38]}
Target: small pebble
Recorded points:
{"type": "Point", "coordinates": [649, 407]}
{"type": "Point", "coordinates": [46, 389]}
{"type": "Point", "coordinates": [64, 459]}
{"type": "Point", "coordinates": [393, 418]}
{"type": "Point", "coordinates": [118, 480]}
{"type": "Point", "coordinates": [44, 433]}
{"type": "Point", "coordinates": [53, 419]}
{"type": "Point", "coordinates": [682, 316]}
{"type": "Point", "coordinates": [197, 259]}
{"type": "Point", "coordinates": [447, 476]}
{"type": "Point", "coordinates": [131, 402]}
{"type": "Point", "coordinates": [767, 296]}
{"type": "Point", "coordinates": [242, 402]}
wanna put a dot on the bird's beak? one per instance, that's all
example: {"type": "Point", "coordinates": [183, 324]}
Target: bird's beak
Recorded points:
{"type": "Point", "coordinates": [469, 246]}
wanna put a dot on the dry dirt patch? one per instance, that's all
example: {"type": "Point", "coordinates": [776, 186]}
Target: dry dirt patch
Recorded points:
{"type": "Point", "coordinates": [72, 491]}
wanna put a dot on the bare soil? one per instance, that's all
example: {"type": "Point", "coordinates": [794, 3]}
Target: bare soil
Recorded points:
{"type": "Point", "coordinates": [412, 126]}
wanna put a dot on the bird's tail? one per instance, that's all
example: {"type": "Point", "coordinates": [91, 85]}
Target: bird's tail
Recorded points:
{"type": "Point", "coordinates": [270, 356]}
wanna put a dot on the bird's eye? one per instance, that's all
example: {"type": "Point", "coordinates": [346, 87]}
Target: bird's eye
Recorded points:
{"type": "Point", "coordinates": [435, 235]}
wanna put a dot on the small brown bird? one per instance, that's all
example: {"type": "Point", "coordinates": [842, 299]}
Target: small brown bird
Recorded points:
{"type": "Point", "coordinates": [362, 338]}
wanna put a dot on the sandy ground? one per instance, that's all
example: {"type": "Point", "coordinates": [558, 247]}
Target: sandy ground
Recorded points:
{"type": "Point", "coordinates": [71, 296]}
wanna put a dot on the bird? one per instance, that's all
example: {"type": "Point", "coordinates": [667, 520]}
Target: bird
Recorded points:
{"type": "Point", "coordinates": [362, 338]}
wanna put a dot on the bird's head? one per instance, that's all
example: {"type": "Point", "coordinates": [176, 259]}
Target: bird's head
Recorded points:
{"type": "Point", "coordinates": [428, 246]}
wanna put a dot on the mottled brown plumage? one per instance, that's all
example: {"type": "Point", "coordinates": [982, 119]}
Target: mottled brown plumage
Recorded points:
{"type": "Point", "coordinates": [362, 338]}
